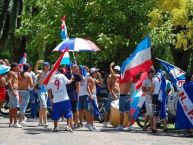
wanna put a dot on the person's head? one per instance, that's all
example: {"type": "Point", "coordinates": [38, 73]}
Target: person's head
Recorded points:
{"type": "Point", "coordinates": [26, 67]}
{"type": "Point", "coordinates": [14, 67]}
{"type": "Point", "coordinates": [151, 73]}
{"type": "Point", "coordinates": [75, 69]}
{"type": "Point", "coordinates": [188, 77]}
{"type": "Point", "coordinates": [30, 66]}
{"type": "Point", "coordinates": [93, 72]}
{"type": "Point", "coordinates": [2, 62]}
{"type": "Point", "coordinates": [117, 69]}
{"type": "Point", "coordinates": [46, 66]}
{"type": "Point", "coordinates": [68, 67]}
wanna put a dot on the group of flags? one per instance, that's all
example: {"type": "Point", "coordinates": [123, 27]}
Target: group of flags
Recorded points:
{"type": "Point", "coordinates": [140, 61]}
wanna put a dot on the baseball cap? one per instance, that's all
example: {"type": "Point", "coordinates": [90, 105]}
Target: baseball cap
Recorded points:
{"type": "Point", "coordinates": [117, 68]}
{"type": "Point", "coordinates": [92, 70]}
{"type": "Point", "coordinates": [46, 63]}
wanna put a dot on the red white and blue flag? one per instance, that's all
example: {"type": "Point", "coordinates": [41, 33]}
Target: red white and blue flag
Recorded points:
{"type": "Point", "coordinates": [177, 75]}
{"type": "Point", "coordinates": [184, 114]}
{"type": "Point", "coordinates": [66, 58]}
{"type": "Point", "coordinates": [22, 61]}
{"type": "Point", "coordinates": [64, 32]}
{"type": "Point", "coordinates": [139, 61]}
{"type": "Point", "coordinates": [54, 69]}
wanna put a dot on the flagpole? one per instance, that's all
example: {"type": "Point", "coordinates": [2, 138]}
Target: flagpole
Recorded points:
{"type": "Point", "coordinates": [74, 57]}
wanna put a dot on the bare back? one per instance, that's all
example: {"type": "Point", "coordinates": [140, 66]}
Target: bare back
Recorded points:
{"type": "Point", "coordinates": [125, 87]}
{"type": "Point", "coordinates": [25, 81]}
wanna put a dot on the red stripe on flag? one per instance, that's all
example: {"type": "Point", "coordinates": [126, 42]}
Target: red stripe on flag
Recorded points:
{"type": "Point", "coordinates": [131, 73]}
{"type": "Point", "coordinates": [55, 68]}
{"type": "Point", "coordinates": [143, 76]}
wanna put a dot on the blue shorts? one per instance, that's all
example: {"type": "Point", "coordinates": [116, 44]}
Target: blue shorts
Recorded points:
{"type": "Point", "coordinates": [91, 107]}
{"type": "Point", "coordinates": [13, 100]}
{"type": "Point", "coordinates": [108, 103]}
{"type": "Point", "coordinates": [43, 97]}
{"type": "Point", "coordinates": [83, 102]}
{"type": "Point", "coordinates": [61, 109]}
{"type": "Point", "coordinates": [25, 96]}
{"type": "Point", "coordinates": [124, 103]}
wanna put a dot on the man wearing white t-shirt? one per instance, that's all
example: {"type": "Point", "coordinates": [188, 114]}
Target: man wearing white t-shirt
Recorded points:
{"type": "Point", "coordinates": [61, 106]}
{"type": "Point", "coordinates": [146, 85]}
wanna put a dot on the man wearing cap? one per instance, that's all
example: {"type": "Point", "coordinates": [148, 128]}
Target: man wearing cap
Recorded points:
{"type": "Point", "coordinates": [94, 78]}
{"type": "Point", "coordinates": [114, 91]}
{"type": "Point", "coordinates": [124, 100]}
{"type": "Point", "coordinates": [43, 93]}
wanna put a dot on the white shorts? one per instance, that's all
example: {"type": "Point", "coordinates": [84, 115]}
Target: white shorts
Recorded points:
{"type": "Point", "coordinates": [148, 106]}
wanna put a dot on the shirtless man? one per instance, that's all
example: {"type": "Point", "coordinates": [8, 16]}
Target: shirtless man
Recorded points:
{"type": "Point", "coordinates": [95, 78]}
{"type": "Point", "coordinates": [124, 100]}
{"type": "Point", "coordinates": [13, 95]}
{"type": "Point", "coordinates": [114, 90]}
{"type": "Point", "coordinates": [25, 82]}
{"type": "Point", "coordinates": [43, 93]}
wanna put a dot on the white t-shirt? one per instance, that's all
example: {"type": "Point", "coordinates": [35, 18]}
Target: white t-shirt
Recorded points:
{"type": "Point", "coordinates": [58, 87]}
{"type": "Point", "coordinates": [83, 85]}
{"type": "Point", "coordinates": [157, 85]}
{"type": "Point", "coordinates": [147, 84]}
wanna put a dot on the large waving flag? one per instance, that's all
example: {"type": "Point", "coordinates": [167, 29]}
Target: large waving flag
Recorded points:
{"type": "Point", "coordinates": [66, 58]}
{"type": "Point", "coordinates": [54, 69]}
{"type": "Point", "coordinates": [184, 114]}
{"type": "Point", "coordinates": [22, 61]}
{"type": "Point", "coordinates": [64, 33]}
{"type": "Point", "coordinates": [139, 61]}
{"type": "Point", "coordinates": [177, 75]}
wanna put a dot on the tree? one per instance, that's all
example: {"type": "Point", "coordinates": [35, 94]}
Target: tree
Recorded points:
{"type": "Point", "coordinates": [172, 30]}
{"type": "Point", "coordinates": [10, 10]}
{"type": "Point", "coordinates": [116, 27]}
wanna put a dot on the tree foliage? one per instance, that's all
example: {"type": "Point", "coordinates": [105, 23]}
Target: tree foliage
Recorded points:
{"type": "Point", "coordinates": [172, 31]}
{"type": "Point", "coordinates": [116, 27]}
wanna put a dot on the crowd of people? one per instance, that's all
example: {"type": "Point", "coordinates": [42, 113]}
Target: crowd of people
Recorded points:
{"type": "Point", "coordinates": [74, 95]}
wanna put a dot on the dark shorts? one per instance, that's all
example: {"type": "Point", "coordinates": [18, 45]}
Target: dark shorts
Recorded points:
{"type": "Point", "coordinates": [83, 102]}
{"type": "Point", "coordinates": [155, 105]}
{"type": "Point", "coordinates": [61, 109]}
{"type": "Point", "coordinates": [124, 103]}
{"type": "Point", "coordinates": [74, 105]}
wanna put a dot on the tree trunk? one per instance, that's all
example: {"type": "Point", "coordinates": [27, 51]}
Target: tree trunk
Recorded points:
{"type": "Point", "coordinates": [181, 58]}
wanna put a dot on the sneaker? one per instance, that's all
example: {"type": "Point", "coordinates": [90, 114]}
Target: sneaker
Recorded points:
{"type": "Point", "coordinates": [154, 131]}
{"type": "Point", "coordinates": [11, 125]}
{"type": "Point", "coordinates": [94, 127]}
{"type": "Point", "coordinates": [80, 124]}
{"type": "Point", "coordinates": [90, 127]}
{"type": "Point", "coordinates": [120, 128]}
{"type": "Point", "coordinates": [23, 123]}
{"type": "Point", "coordinates": [17, 125]}
{"type": "Point", "coordinates": [86, 125]}
{"type": "Point", "coordinates": [131, 127]}
{"type": "Point", "coordinates": [104, 125]}
{"type": "Point", "coordinates": [69, 129]}
{"type": "Point", "coordinates": [55, 129]}
{"type": "Point", "coordinates": [40, 124]}
{"type": "Point", "coordinates": [45, 125]}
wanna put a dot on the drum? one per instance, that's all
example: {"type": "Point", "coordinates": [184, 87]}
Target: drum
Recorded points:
{"type": "Point", "coordinates": [172, 103]}
{"type": "Point", "coordinates": [114, 115]}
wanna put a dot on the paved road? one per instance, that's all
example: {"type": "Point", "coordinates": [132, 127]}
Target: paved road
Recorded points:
{"type": "Point", "coordinates": [33, 135]}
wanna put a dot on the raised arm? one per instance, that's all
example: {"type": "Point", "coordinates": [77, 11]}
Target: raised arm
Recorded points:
{"type": "Point", "coordinates": [37, 65]}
